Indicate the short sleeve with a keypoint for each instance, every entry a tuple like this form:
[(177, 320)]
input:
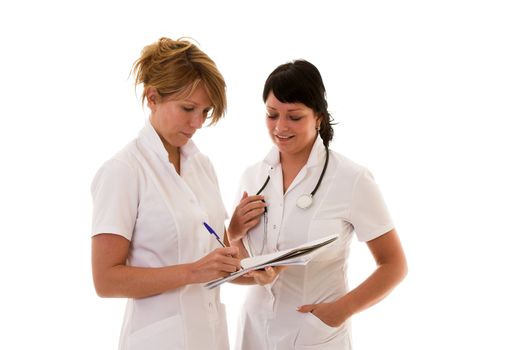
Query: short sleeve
[(368, 212), (115, 199)]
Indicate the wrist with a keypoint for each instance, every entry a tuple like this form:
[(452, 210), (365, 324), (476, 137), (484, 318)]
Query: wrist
[(233, 235), (344, 305), (189, 273)]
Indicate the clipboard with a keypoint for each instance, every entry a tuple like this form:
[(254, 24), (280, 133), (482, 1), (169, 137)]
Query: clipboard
[(299, 255)]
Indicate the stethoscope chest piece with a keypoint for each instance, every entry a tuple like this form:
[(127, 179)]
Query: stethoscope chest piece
[(305, 201)]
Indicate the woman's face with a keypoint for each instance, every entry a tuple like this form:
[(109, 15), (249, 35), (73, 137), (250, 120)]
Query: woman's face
[(292, 126), (176, 120)]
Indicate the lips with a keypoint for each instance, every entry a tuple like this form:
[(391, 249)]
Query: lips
[(284, 137)]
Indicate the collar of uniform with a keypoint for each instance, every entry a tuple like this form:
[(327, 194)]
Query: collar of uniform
[(150, 136), (189, 149), (316, 155)]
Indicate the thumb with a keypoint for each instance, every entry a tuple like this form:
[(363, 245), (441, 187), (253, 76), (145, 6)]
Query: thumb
[(231, 250), (306, 308), (244, 195)]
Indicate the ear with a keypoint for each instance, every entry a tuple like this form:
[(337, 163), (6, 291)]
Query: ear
[(318, 120), (152, 96)]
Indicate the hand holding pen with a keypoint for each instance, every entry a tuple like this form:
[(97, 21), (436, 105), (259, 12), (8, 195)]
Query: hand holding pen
[(218, 263)]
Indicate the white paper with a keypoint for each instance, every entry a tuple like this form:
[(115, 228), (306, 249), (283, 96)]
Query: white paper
[(299, 255)]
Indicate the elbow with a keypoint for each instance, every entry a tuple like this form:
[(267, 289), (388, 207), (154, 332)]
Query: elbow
[(101, 291), (103, 288), (403, 270)]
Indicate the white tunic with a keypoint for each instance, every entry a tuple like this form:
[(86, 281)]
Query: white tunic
[(347, 201), (139, 195)]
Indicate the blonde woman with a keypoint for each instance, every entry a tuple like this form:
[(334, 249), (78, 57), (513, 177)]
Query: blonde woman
[(150, 203)]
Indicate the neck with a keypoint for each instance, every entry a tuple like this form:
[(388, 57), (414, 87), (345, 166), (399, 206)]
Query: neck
[(291, 164), (293, 160), (298, 159), (173, 154)]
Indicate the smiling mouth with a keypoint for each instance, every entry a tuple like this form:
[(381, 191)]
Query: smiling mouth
[(284, 138)]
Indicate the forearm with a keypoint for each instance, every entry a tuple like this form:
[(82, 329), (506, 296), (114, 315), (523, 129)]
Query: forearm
[(376, 287), (139, 282), (243, 253), (243, 280)]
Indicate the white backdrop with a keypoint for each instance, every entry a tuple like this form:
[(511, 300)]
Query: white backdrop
[(428, 95)]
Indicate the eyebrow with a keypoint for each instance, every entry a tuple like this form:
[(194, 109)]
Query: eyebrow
[(288, 110), (195, 103)]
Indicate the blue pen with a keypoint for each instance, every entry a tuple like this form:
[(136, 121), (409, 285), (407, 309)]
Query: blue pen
[(212, 232)]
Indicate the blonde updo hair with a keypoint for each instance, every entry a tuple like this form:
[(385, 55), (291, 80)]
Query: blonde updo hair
[(177, 67)]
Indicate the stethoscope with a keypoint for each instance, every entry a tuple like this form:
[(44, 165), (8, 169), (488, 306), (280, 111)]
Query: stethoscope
[(304, 201)]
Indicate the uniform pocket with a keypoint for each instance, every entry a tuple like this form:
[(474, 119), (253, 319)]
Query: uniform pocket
[(314, 332), (166, 334), (316, 322)]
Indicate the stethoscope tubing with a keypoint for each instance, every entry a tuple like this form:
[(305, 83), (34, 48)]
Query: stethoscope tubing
[(318, 181)]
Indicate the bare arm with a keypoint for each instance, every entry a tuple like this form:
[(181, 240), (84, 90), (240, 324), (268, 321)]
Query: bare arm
[(391, 269), (113, 278)]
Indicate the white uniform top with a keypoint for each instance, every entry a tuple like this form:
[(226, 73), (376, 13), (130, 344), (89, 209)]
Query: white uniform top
[(138, 194), (347, 201)]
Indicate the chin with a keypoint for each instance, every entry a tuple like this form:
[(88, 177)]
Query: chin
[(179, 142)]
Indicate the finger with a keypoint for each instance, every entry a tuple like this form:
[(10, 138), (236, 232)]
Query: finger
[(270, 273), (228, 251), (306, 308), (229, 268), (252, 215), (225, 264), (246, 205), (251, 224), (233, 261), (258, 274), (255, 205), (267, 274), (256, 198), (278, 269)]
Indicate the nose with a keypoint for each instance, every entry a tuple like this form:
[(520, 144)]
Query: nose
[(281, 124), (196, 120)]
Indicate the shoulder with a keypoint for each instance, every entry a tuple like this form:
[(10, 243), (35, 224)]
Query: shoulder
[(346, 167), (122, 164)]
